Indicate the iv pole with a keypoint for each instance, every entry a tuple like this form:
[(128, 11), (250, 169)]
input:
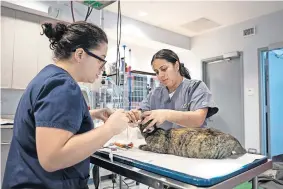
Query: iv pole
[(96, 170), (104, 100)]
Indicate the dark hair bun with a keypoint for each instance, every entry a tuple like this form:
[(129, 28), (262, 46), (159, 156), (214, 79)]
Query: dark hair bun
[(65, 38), (54, 33)]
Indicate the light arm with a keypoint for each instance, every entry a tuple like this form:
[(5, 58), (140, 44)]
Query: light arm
[(187, 119)]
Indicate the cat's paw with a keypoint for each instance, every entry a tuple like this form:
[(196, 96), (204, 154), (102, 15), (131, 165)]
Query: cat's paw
[(144, 147)]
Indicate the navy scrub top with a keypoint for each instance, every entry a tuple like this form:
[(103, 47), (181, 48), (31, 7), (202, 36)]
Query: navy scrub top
[(52, 99), (190, 95)]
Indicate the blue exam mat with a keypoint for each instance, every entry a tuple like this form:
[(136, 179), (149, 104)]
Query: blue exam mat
[(189, 179)]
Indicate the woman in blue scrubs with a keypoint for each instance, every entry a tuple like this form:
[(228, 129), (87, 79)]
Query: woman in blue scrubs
[(179, 101), (54, 134)]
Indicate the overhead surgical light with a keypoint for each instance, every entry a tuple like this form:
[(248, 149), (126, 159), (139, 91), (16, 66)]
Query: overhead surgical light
[(98, 5)]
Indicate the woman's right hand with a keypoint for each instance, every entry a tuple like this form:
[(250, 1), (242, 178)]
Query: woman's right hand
[(118, 121)]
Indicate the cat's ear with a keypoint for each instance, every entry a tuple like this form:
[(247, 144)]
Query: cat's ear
[(141, 128)]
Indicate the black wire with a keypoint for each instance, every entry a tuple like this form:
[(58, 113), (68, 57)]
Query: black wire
[(86, 16), (126, 184), (72, 11), (132, 182), (89, 11)]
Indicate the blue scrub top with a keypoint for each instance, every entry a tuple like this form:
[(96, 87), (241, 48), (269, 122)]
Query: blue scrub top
[(52, 99), (190, 95)]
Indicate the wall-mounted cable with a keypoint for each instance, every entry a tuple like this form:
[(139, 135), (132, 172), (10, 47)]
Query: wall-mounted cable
[(72, 11), (118, 60), (89, 11)]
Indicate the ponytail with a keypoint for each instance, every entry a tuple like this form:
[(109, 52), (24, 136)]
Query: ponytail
[(184, 71)]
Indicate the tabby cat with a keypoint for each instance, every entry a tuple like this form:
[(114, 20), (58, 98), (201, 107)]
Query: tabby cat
[(202, 143)]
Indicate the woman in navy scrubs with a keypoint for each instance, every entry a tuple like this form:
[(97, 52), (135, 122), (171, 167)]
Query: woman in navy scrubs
[(179, 101), (53, 129)]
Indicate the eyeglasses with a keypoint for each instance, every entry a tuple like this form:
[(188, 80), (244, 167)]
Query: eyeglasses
[(94, 56)]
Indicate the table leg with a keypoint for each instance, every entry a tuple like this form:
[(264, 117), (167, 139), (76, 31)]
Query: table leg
[(96, 176), (255, 183), (120, 181)]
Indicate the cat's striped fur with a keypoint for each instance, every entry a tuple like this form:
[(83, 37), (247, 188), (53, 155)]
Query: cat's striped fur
[(203, 143)]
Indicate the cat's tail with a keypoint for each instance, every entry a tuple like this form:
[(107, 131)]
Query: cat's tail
[(238, 150)]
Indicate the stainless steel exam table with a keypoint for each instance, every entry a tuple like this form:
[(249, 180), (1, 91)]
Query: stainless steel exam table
[(160, 181)]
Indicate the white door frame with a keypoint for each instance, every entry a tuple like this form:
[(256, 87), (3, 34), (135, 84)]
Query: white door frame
[(264, 97)]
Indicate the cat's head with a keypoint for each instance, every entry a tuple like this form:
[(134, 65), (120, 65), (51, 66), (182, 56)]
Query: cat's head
[(149, 132)]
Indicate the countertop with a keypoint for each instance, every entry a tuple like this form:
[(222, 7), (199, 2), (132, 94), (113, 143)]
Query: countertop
[(7, 126), (7, 121)]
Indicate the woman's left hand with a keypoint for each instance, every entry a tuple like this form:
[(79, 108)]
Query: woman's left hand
[(102, 114), (157, 116)]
